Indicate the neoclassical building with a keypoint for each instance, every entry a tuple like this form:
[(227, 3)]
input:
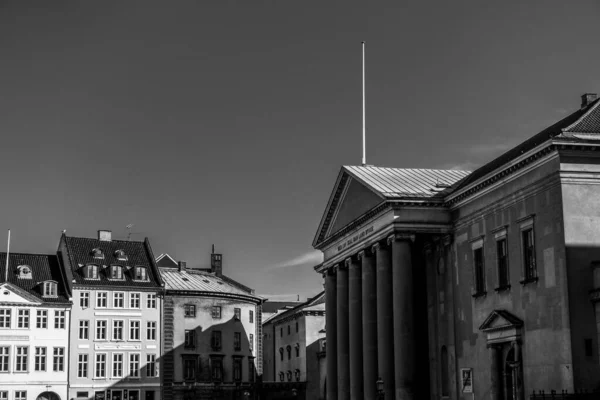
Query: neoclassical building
[(460, 285)]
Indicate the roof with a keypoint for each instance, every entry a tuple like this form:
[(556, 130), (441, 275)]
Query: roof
[(316, 303), (44, 267), (399, 183), (272, 306), (79, 253), (165, 260)]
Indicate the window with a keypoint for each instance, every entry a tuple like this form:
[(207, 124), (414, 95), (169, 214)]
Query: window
[(296, 326), (237, 341), (216, 340), (528, 246), (236, 313), (502, 259), (289, 376), (251, 342), (120, 255), (82, 366), (216, 369), (117, 365), (134, 365), (100, 329), (5, 318), (24, 272), (23, 318), (189, 369), (58, 362), (118, 326), (97, 253), (101, 299), (297, 375), (478, 268), (40, 359), (251, 370), (151, 330), (151, 365), (281, 376), (41, 319), (119, 300), (50, 289), (4, 358), (289, 329), (445, 375), (189, 341), (151, 300), (134, 330), (189, 310), (3, 394), (289, 352), (21, 357), (84, 329), (237, 369), (141, 274), (134, 300), (297, 347), (59, 319), (116, 272), (83, 394), (216, 312), (281, 353), (84, 299), (251, 317), (100, 368), (281, 331), (21, 395), (90, 272)]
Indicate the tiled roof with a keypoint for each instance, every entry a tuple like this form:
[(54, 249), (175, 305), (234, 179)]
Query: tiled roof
[(316, 303), (44, 267), (138, 254), (589, 122), (401, 183)]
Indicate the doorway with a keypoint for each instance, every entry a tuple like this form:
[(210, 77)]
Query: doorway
[(512, 372)]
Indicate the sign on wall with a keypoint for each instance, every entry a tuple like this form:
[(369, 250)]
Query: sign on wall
[(466, 378)]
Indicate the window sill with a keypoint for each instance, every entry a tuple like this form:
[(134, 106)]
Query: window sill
[(479, 294), (529, 280), (502, 288)]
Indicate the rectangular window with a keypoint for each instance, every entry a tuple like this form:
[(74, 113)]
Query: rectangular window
[(251, 342), (4, 358), (117, 365), (84, 299), (82, 366), (151, 365), (119, 300), (83, 394), (189, 310), (151, 330), (237, 341), (134, 300), (41, 319), (189, 339), (151, 300), (84, 330), (237, 369), (216, 312), (101, 299), (289, 329), (528, 245), (189, 369), (21, 395), (21, 358), (216, 369), (134, 365), (141, 274), (58, 362), (118, 329), (40, 359), (3, 394), (251, 317), (59, 319), (251, 370), (502, 258), (23, 318), (134, 330), (479, 271), (236, 313), (100, 329), (216, 340), (100, 367), (296, 326), (5, 317)]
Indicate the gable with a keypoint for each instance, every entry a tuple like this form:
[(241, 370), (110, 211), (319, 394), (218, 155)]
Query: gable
[(356, 200), (166, 261), (500, 319), (10, 293)]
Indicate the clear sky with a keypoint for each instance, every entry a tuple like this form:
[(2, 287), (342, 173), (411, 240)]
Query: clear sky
[(226, 122)]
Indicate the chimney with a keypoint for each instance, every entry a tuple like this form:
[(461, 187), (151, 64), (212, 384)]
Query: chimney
[(216, 262), (105, 236), (182, 265), (588, 98)]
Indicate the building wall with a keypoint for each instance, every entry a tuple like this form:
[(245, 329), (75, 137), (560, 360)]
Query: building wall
[(269, 353), (294, 338), (314, 326)]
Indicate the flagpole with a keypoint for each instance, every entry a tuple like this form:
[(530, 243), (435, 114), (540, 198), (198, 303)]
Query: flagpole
[(364, 144), (7, 255)]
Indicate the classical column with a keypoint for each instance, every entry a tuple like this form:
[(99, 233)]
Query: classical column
[(495, 378), (343, 344), (331, 333), (355, 325), (385, 319), (369, 323), (404, 328)]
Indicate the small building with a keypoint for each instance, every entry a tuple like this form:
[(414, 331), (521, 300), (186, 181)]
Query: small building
[(34, 319), (293, 341), (212, 326)]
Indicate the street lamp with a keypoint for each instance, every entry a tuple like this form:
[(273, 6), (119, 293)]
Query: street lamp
[(380, 393)]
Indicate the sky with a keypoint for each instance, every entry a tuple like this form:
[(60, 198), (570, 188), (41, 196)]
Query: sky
[(227, 122)]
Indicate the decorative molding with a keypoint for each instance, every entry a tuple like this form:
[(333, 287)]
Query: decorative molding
[(400, 236)]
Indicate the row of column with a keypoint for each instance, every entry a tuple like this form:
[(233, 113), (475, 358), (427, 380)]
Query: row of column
[(370, 323)]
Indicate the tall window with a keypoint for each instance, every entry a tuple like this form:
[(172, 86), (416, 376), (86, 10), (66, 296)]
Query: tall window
[(478, 270), (151, 300), (91, 272), (59, 319), (40, 359), (281, 353), (5, 317), (216, 364), (216, 340), (134, 365), (189, 369), (117, 365), (41, 320), (100, 367), (289, 330), (281, 376), (237, 369), (101, 299), (289, 352), (84, 299), (116, 272), (251, 370), (23, 318), (251, 317), (189, 339), (189, 310), (82, 366), (151, 365), (296, 326), (151, 330), (100, 329), (119, 300), (4, 358), (281, 332), (134, 300), (297, 347), (134, 330), (251, 342), (58, 362), (445, 374), (118, 329), (236, 313), (50, 289), (216, 312), (528, 244), (84, 329), (21, 359), (237, 341), (502, 258)]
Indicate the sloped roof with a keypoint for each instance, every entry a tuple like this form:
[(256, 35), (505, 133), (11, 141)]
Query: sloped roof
[(316, 303), (44, 267), (274, 306)]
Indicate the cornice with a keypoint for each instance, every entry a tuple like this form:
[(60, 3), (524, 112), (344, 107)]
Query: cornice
[(195, 293)]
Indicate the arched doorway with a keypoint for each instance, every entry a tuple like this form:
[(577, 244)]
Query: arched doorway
[(48, 396), (513, 380)]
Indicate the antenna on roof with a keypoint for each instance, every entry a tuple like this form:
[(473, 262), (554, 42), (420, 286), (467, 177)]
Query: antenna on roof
[(364, 144), (128, 227), (7, 255)]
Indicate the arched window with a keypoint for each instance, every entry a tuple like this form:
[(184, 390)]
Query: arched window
[(289, 351), (289, 376), (297, 347), (50, 289), (444, 373), (281, 376), (297, 374), (281, 353)]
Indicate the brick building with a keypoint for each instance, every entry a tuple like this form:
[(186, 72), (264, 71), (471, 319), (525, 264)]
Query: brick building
[(460, 285)]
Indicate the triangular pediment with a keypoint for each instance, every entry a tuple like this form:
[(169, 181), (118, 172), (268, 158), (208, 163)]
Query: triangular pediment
[(13, 294), (500, 319)]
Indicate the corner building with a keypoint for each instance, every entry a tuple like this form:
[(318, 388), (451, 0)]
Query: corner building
[(461, 285), (116, 324)]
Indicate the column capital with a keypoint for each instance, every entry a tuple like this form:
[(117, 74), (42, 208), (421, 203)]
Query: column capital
[(368, 252), (375, 247), (343, 265), (400, 236)]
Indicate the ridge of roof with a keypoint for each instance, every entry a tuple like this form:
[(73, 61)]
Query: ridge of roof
[(589, 122), (308, 303)]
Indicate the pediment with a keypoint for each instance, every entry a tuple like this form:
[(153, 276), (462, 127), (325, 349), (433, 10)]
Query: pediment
[(13, 294), (500, 320)]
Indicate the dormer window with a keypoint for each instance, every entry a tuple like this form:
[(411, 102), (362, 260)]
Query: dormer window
[(97, 253), (116, 272), (90, 271), (141, 274), (24, 271), (50, 289), (120, 255)]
